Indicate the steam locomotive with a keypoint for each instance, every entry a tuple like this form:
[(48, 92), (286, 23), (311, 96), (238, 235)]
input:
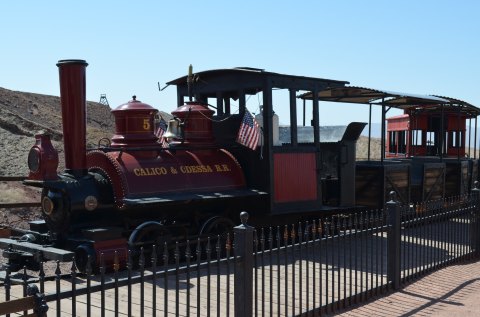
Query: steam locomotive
[(133, 191), (138, 189)]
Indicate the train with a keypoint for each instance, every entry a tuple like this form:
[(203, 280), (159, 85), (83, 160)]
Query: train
[(142, 188)]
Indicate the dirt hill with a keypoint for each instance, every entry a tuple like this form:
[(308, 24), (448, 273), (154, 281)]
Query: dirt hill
[(22, 115), (362, 148)]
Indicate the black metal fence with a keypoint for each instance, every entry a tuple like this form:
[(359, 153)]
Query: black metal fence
[(310, 268)]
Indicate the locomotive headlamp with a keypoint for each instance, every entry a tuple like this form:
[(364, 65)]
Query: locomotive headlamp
[(34, 160), (47, 205), (42, 159)]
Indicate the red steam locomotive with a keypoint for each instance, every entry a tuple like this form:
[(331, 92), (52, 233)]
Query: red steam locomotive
[(133, 191)]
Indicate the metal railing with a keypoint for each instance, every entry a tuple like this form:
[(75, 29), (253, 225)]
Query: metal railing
[(310, 268)]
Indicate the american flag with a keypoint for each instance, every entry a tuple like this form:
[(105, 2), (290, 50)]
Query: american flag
[(249, 133), (160, 130)]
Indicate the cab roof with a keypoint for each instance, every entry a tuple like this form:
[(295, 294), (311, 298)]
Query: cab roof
[(251, 81)]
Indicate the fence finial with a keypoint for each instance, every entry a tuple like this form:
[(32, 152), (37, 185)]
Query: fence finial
[(393, 195), (32, 289), (244, 217)]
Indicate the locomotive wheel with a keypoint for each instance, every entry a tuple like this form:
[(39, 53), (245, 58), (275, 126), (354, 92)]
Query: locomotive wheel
[(216, 228), (217, 225), (147, 234)]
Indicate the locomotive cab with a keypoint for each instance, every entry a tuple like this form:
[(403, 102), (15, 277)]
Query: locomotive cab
[(290, 168)]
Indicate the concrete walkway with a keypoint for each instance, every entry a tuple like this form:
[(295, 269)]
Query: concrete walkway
[(452, 291)]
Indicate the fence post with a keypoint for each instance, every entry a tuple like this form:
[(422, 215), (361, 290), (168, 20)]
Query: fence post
[(475, 226), (393, 241), (243, 268)]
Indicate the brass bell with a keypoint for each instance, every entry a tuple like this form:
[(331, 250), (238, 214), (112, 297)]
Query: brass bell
[(174, 130)]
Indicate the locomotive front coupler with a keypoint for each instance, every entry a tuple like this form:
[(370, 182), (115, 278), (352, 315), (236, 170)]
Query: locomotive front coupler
[(44, 237), (23, 253)]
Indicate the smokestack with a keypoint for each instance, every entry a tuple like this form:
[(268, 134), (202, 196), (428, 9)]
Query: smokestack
[(73, 100)]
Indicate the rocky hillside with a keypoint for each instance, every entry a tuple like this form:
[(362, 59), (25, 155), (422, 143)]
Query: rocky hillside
[(22, 115), (362, 148)]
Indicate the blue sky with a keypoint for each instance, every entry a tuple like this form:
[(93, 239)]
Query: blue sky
[(424, 47)]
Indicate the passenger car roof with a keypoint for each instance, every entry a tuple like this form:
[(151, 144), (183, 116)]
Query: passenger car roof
[(405, 101)]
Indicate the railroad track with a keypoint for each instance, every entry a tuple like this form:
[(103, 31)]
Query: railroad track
[(12, 178), (19, 205)]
